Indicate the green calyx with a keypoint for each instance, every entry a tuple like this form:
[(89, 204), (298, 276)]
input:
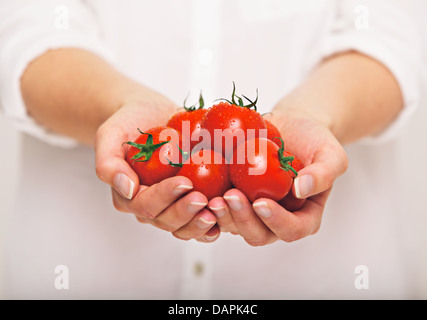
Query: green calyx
[(239, 102), (147, 149), (286, 162), (196, 106)]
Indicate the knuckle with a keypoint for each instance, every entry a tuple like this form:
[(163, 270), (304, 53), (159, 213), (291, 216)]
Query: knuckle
[(316, 229), (297, 235), (257, 242), (145, 214), (297, 232), (181, 237), (163, 226), (103, 169), (243, 222), (229, 229), (141, 220)]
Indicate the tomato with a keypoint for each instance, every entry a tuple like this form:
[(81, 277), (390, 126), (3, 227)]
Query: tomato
[(149, 156), (290, 202), (272, 132), (260, 170), (194, 117), (233, 122), (208, 172)]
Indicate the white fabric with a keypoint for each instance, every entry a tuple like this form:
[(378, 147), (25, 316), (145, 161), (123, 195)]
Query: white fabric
[(64, 214), (27, 30)]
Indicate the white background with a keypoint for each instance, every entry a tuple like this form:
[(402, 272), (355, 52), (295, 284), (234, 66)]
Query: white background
[(413, 149), (9, 140)]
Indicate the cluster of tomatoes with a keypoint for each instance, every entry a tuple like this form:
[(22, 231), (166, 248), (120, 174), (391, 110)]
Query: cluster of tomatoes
[(202, 144)]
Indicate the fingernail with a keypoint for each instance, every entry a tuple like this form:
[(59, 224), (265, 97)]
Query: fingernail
[(204, 224), (219, 212), (211, 238), (181, 189), (234, 202), (303, 186), (262, 209), (195, 207), (124, 185)]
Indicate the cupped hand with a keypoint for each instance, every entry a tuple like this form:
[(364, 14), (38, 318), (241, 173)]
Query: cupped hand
[(265, 221), (169, 205)]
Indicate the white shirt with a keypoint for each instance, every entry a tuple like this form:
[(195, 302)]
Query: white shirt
[(64, 215)]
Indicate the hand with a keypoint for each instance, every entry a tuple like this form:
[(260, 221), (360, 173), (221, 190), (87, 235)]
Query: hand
[(265, 221), (168, 205)]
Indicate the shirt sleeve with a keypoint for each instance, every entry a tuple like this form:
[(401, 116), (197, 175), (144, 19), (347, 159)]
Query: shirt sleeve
[(385, 31), (27, 30)]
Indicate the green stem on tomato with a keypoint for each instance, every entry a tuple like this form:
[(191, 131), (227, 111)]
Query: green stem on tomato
[(147, 149), (240, 102), (286, 162), (193, 107)]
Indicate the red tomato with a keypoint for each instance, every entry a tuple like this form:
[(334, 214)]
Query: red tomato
[(260, 170), (272, 132), (208, 172), (194, 117), (290, 202), (233, 122), (148, 155)]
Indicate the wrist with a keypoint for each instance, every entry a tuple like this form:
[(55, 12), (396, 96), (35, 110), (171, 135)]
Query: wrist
[(155, 108), (297, 107)]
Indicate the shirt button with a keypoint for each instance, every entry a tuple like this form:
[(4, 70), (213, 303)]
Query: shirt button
[(198, 269), (205, 56)]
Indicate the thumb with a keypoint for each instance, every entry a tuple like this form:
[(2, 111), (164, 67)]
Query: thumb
[(111, 166), (320, 175)]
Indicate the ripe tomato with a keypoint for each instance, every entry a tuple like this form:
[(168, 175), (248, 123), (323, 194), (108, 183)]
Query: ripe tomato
[(208, 172), (260, 170), (232, 121), (272, 132), (148, 155), (290, 202), (194, 117)]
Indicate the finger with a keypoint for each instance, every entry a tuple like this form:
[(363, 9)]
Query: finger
[(249, 226), (290, 226), (320, 175), (212, 235), (197, 227), (149, 202), (110, 164), (223, 215), (180, 212)]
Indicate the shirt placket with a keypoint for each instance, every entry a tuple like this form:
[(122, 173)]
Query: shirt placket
[(197, 257)]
